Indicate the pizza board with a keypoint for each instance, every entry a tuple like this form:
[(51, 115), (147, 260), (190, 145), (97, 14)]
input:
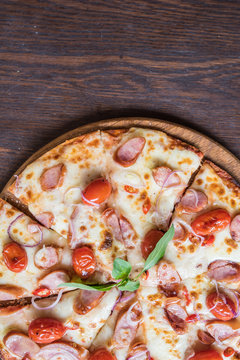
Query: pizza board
[(210, 148)]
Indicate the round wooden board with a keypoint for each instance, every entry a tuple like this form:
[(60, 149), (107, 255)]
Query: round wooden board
[(210, 148)]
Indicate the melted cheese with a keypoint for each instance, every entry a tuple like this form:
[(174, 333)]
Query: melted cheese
[(28, 278), (190, 259), (88, 324)]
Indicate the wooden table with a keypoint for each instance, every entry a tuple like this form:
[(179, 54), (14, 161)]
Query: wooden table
[(66, 63)]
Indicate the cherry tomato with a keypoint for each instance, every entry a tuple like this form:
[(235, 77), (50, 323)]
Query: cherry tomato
[(207, 355), (84, 262), (97, 192), (229, 351), (146, 206), (211, 222), (15, 257), (46, 330), (193, 318), (42, 292), (130, 189), (150, 241), (208, 240), (101, 354), (220, 307)]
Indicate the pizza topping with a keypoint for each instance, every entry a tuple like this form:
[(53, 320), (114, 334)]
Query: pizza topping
[(126, 326), (128, 232), (15, 257), (86, 301), (62, 351), (205, 337), (146, 206), (48, 306), (46, 257), (211, 222), (101, 354), (229, 351), (130, 189), (11, 292), (221, 306), (176, 315), (165, 177), (138, 351), (45, 218), (127, 178), (42, 292), (25, 233), (54, 279), (111, 220), (52, 177), (235, 228), (45, 330), (207, 355), (20, 344), (180, 232), (127, 154), (168, 278), (208, 240), (84, 262), (149, 242), (219, 330), (224, 270), (194, 201), (97, 192)]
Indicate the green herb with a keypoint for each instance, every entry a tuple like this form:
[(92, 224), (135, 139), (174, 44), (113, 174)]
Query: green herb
[(97, 287), (131, 285), (159, 250), (122, 269)]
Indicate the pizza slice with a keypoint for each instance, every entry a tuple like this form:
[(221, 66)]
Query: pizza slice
[(66, 189), (33, 259), (207, 227), (148, 171), (61, 328), (122, 335), (168, 333)]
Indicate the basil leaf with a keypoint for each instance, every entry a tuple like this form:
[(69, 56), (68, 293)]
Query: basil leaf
[(131, 285), (121, 269), (100, 287), (159, 250)]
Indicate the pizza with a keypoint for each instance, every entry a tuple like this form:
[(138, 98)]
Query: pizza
[(115, 195)]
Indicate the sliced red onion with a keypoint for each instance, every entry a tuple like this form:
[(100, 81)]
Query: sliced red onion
[(189, 228), (127, 297), (232, 295), (13, 238), (49, 306), (60, 351), (164, 185), (195, 196), (117, 301), (66, 192), (131, 323), (89, 201)]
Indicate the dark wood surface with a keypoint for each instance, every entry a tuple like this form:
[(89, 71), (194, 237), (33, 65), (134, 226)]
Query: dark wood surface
[(68, 63)]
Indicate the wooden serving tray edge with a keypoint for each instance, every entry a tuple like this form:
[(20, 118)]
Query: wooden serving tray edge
[(210, 148)]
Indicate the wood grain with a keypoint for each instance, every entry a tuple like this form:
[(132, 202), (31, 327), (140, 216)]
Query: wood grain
[(68, 63)]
